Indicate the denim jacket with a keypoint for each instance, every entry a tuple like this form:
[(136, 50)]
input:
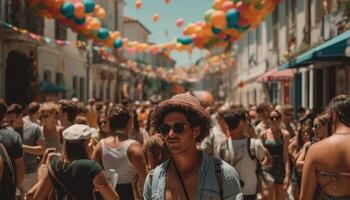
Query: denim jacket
[(207, 186)]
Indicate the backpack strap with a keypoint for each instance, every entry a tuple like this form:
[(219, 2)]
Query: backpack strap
[(251, 148), (6, 158), (218, 174), (57, 180)]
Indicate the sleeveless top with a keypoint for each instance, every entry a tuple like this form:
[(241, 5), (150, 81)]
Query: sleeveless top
[(52, 141), (117, 159), (321, 194)]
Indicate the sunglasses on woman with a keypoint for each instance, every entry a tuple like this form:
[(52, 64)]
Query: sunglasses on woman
[(177, 127)]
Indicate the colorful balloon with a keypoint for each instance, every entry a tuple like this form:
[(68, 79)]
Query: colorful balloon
[(79, 10), (232, 18), (218, 19), (184, 40), (103, 33), (179, 22), (138, 4), (80, 21), (155, 17), (89, 6), (227, 5), (207, 15), (118, 43), (67, 10)]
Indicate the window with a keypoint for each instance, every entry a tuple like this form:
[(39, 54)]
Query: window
[(47, 76), (60, 32), (59, 79)]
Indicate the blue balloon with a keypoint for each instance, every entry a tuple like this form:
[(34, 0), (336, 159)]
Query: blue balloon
[(80, 21), (89, 6), (232, 17), (103, 33), (185, 40), (67, 9), (216, 30), (118, 43)]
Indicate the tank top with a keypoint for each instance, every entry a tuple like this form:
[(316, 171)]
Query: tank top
[(117, 159)]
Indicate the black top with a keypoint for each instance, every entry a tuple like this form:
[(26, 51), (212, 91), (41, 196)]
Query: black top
[(12, 142), (77, 177)]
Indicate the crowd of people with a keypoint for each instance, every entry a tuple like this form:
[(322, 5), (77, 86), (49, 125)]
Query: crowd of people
[(180, 148)]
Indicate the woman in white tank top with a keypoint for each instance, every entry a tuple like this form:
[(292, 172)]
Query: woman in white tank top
[(121, 154)]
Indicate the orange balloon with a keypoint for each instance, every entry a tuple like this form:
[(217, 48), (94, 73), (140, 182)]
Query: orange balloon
[(155, 17), (95, 24), (138, 4), (218, 19), (101, 14), (218, 4), (79, 10), (58, 3), (167, 1)]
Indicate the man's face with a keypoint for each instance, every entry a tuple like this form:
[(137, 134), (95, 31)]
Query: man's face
[(14, 120), (178, 134)]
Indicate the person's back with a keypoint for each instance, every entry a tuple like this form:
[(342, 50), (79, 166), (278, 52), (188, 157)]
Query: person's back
[(77, 176), (326, 170), (332, 163), (115, 156)]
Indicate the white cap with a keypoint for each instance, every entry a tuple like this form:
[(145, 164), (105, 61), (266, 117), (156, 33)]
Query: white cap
[(77, 132)]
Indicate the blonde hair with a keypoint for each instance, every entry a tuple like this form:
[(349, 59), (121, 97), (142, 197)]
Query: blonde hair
[(49, 107)]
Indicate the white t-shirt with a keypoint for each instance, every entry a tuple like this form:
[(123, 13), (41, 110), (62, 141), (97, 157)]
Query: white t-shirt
[(245, 166)]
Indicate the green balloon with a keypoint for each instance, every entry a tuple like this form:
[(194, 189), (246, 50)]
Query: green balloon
[(207, 16)]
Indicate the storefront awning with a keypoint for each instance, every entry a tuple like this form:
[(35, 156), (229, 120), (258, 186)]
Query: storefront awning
[(327, 51), (47, 87), (275, 75)]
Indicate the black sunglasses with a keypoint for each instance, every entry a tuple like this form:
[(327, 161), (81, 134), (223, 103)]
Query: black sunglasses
[(177, 127)]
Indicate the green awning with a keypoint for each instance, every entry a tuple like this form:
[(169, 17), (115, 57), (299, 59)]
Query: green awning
[(47, 87), (330, 50)]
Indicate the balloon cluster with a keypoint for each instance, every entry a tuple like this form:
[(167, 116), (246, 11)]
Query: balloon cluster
[(226, 21), (85, 16)]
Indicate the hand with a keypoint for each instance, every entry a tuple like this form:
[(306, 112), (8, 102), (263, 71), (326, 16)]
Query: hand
[(157, 138), (286, 183)]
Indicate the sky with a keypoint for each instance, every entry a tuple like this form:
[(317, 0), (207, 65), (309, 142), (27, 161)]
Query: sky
[(189, 10)]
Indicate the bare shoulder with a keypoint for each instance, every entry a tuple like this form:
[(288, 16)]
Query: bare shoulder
[(135, 147)]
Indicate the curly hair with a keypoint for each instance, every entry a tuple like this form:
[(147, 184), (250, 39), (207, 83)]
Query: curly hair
[(194, 117), (69, 107), (119, 117)]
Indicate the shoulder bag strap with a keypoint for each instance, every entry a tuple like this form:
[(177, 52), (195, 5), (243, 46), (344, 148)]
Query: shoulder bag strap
[(7, 159), (218, 174), (53, 175)]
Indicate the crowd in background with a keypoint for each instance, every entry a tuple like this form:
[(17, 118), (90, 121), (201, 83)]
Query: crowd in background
[(279, 152)]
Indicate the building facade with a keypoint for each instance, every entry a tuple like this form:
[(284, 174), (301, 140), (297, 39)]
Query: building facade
[(38, 69), (287, 59)]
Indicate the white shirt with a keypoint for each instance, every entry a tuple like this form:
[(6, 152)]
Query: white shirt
[(245, 166)]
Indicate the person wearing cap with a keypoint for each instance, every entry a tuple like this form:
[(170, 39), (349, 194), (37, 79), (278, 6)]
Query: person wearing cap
[(73, 174), (190, 174)]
